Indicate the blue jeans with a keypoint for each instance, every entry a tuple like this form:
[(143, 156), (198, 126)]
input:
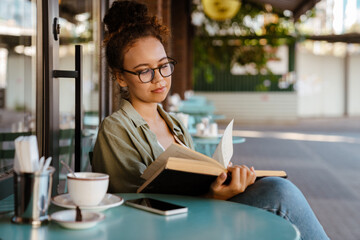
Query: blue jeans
[(283, 198)]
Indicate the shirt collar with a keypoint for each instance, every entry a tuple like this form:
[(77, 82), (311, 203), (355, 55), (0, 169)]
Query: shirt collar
[(136, 118), (175, 129)]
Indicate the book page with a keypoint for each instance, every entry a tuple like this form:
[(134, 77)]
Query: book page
[(178, 151), (224, 150), (193, 166)]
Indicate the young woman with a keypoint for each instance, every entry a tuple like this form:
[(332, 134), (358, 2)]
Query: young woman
[(133, 137)]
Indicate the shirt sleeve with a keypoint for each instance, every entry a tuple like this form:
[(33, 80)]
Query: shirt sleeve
[(115, 154)]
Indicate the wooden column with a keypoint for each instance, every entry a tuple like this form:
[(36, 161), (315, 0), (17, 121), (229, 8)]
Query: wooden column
[(176, 15), (181, 46), (162, 9)]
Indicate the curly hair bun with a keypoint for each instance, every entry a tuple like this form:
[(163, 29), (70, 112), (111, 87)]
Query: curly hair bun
[(127, 22), (125, 13)]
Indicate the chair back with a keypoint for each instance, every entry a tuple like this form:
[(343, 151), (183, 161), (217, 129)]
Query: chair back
[(66, 143)]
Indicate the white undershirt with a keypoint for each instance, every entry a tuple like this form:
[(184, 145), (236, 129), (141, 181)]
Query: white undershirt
[(176, 139), (161, 146)]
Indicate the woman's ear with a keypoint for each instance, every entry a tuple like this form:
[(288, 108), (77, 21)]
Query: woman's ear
[(120, 80)]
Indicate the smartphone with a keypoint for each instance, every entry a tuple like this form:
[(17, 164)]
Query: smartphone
[(156, 206)]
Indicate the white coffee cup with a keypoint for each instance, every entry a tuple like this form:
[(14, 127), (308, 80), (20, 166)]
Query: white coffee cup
[(200, 127), (213, 129), (87, 188)]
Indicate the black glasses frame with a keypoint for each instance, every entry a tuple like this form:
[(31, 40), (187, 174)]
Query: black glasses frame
[(173, 61)]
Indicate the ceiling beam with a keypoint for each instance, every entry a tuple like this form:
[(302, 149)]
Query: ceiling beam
[(297, 7), (346, 38), (303, 7)]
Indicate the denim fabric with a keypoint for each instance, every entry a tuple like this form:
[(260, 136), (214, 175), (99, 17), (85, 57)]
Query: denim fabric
[(283, 198)]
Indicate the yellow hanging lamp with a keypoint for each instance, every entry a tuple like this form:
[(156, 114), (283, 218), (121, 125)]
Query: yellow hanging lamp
[(221, 10)]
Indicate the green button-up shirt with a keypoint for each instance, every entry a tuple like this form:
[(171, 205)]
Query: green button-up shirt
[(125, 146)]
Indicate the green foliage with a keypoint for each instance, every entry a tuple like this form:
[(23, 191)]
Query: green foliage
[(240, 40), (207, 55), (252, 54)]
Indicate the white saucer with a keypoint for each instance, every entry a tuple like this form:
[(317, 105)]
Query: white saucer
[(109, 201), (67, 219)]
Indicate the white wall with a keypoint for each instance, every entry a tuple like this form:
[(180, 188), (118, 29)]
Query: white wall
[(20, 87), (320, 85), (254, 107), (354, 86)]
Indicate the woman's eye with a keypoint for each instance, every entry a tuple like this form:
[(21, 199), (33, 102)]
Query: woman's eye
[(166, 65), (145, 71)]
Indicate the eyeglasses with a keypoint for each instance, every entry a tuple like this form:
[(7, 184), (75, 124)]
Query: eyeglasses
[(147, 75)]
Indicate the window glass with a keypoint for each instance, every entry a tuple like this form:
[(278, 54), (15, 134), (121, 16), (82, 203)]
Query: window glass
[(78, 21), (17, 76)]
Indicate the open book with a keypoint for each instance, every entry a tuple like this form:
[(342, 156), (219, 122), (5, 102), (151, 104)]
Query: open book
[(181, 170)]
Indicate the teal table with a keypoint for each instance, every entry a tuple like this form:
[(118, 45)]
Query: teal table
[(206, 219), (207, 146)]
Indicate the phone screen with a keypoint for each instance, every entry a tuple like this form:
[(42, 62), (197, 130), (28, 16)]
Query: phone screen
[(157, 206)]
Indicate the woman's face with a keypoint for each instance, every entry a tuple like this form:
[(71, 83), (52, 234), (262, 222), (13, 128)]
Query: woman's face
[(143, 54)]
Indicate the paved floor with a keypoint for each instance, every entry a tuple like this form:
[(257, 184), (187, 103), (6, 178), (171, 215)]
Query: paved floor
[(322, 157)]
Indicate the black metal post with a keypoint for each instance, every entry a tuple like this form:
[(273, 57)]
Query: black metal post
[(78, 97), (78, 111)]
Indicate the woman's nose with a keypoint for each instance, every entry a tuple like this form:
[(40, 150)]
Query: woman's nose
[(157, 76)]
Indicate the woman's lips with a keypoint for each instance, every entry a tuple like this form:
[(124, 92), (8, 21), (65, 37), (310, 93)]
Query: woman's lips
[(159, 90)]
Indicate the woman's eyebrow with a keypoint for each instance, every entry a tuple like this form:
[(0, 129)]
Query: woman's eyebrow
[(163, 58), (146, 65), (140, 65)]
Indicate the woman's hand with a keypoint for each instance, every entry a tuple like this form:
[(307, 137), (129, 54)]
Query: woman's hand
[(241, 178)]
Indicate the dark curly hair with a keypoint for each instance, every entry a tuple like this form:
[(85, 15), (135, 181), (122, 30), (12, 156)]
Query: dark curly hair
[(126, 22)]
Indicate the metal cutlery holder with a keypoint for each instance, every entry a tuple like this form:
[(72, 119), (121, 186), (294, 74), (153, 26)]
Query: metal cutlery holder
[(32, 197)]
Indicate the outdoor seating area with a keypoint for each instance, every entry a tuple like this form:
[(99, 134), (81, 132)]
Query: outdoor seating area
[(199, 116), (197, 106), (193, 110), (201, 112)]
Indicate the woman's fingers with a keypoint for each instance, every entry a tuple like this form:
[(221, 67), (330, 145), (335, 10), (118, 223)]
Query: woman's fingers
[(238, 175), (252, 175), (219, 181), (241, 178), (235, 175)]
